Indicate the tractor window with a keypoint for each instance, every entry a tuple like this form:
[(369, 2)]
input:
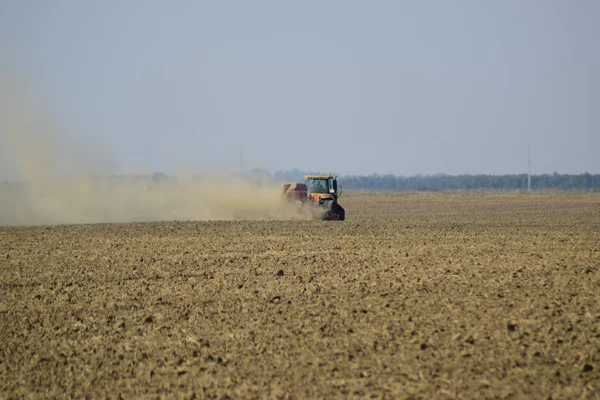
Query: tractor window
[(318, 186), (330, 186)]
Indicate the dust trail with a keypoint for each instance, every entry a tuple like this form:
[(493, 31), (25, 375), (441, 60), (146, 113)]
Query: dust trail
[(47, 178)]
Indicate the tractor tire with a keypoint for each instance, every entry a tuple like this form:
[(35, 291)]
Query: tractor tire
[(327, 205), (339, 210), (331, 208)]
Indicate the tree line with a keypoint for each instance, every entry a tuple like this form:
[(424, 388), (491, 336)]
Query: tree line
[(583, 181)]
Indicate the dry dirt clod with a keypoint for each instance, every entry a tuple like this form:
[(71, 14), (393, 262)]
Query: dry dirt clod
[(275, 300)]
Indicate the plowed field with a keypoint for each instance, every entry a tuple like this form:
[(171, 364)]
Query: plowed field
[(418, 295)]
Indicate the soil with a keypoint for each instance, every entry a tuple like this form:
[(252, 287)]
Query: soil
[(416, 295)]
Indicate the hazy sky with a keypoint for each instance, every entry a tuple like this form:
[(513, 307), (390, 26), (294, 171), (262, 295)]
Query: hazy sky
[(401, 87)]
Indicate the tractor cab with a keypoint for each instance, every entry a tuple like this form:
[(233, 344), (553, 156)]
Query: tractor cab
[(323, 186)]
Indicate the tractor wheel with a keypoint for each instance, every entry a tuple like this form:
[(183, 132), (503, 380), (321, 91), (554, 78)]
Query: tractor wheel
[(327, 205), (339, 210)]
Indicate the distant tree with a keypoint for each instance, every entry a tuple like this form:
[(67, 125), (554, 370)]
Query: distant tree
[(441, 181)]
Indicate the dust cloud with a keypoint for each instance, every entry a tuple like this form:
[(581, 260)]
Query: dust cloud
[(48, 178)]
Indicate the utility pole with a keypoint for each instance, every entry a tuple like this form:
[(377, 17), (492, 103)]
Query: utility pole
[(529, 171), (242, 161)]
